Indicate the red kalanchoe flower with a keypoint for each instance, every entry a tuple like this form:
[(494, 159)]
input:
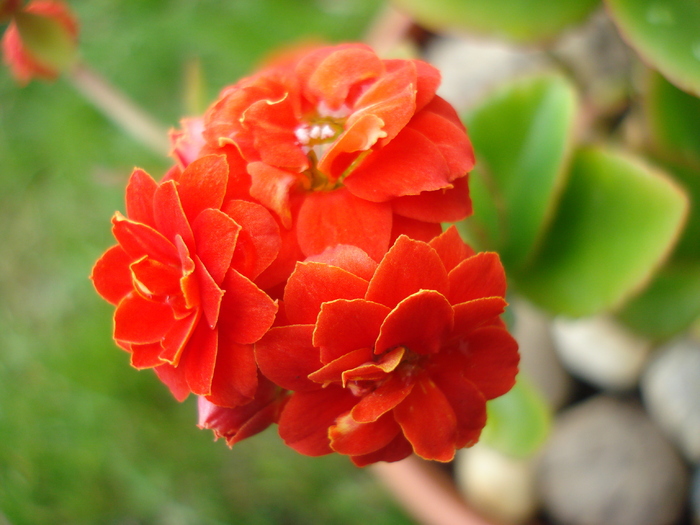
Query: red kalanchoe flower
[(181, 277), (346, 148), (391, 358), (41, 41)]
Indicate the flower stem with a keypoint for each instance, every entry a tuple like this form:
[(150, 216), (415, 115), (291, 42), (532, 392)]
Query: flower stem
[(119, 109)]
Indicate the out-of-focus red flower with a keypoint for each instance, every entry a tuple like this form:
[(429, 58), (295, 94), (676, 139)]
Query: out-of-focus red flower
[(238, 423), (391, 358), (41, 41), (181, 277), (8, 8), (345, 148)]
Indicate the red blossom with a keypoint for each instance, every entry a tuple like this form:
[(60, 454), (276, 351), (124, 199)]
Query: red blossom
[(54, 34), (344, 147), (393, 357), (181, 278)]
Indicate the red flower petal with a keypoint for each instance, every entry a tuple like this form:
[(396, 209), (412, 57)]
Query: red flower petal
[(139, 239), (345, 325), (349, 437), (327, 219), (209, 292), (427, 83), (451, 248), (246, 311), (259, 240), (169, 216), (215, 235), (199, 358), (481, 275), (446, 205), (311, 284), (235, 377), (139, 320), (428, 421), (175, 340), (333, 371), (468, 403), (280, 269), (111, 275), (139, 197), (473, 314), (347, 257), (408, 267), (286, 356), (418, 230), (270, 186), (307, 416), (203, 185), (374, 371), (174, 379), (154, 279), (384, 398), (408, 165), (145, 355), (397, 450), (419, 323)]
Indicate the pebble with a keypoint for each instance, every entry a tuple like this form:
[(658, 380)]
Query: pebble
[(538, 358), (671, 392), (606, 463), (499, 487), (601, 351)]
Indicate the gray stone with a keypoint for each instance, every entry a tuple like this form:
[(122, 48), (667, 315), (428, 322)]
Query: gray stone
[(601, 351), (606, 463), (671, 392)]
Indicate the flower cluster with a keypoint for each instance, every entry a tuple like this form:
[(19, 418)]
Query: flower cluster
[(291, 267)]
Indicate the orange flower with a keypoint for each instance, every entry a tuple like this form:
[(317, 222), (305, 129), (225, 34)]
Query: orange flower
[(181, 277), (41, 40), (345, 148), (391, 358)]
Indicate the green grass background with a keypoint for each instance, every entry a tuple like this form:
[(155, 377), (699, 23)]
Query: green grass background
[(83, 437)]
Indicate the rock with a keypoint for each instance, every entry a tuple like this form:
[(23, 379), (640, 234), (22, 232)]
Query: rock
[(671, 392), (606, 463), (538, 359), (499, 487), (600, 351)]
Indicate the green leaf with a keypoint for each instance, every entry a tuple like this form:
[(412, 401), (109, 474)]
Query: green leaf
[(519, 421), (673, 118), (688, 247), (669, 305), (47, 40), (521, 20), (666, 33), (522, 136), (617, 221)]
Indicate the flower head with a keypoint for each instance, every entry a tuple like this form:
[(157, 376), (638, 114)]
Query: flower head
[(344, 147), (41, 40), (391, 358), (181, 277)]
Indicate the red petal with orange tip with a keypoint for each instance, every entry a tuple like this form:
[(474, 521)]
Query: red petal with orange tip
[(286, 356), (383, 399), (332, 372), (139, 197), (146, 355), (246, 311), (199, 358), (451, 248), (202, 185), (215, 235), (446, 205), (139, 320), (418, 230), (270, 186), (209, 292), (409, 266), (428, 421), (398, 449), (175, 339), (111, 275), (311, 284), (153, 278), (307, 416), (169, 215), (349, 437), (327, 219), (235, 377), (420, 323), (138, 240), (345, 325), (377, 371), (347, 257), (481, 275), (473, 314), (408, 165)]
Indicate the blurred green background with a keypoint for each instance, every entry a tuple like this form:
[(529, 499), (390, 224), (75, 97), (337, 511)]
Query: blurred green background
[(83, 437)]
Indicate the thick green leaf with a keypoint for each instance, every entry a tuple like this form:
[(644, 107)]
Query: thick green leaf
[(522, 136), (666, 34), (519, 421), (673, 117), (616, 222), (688, 247), (522, 20), (669, 305)]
